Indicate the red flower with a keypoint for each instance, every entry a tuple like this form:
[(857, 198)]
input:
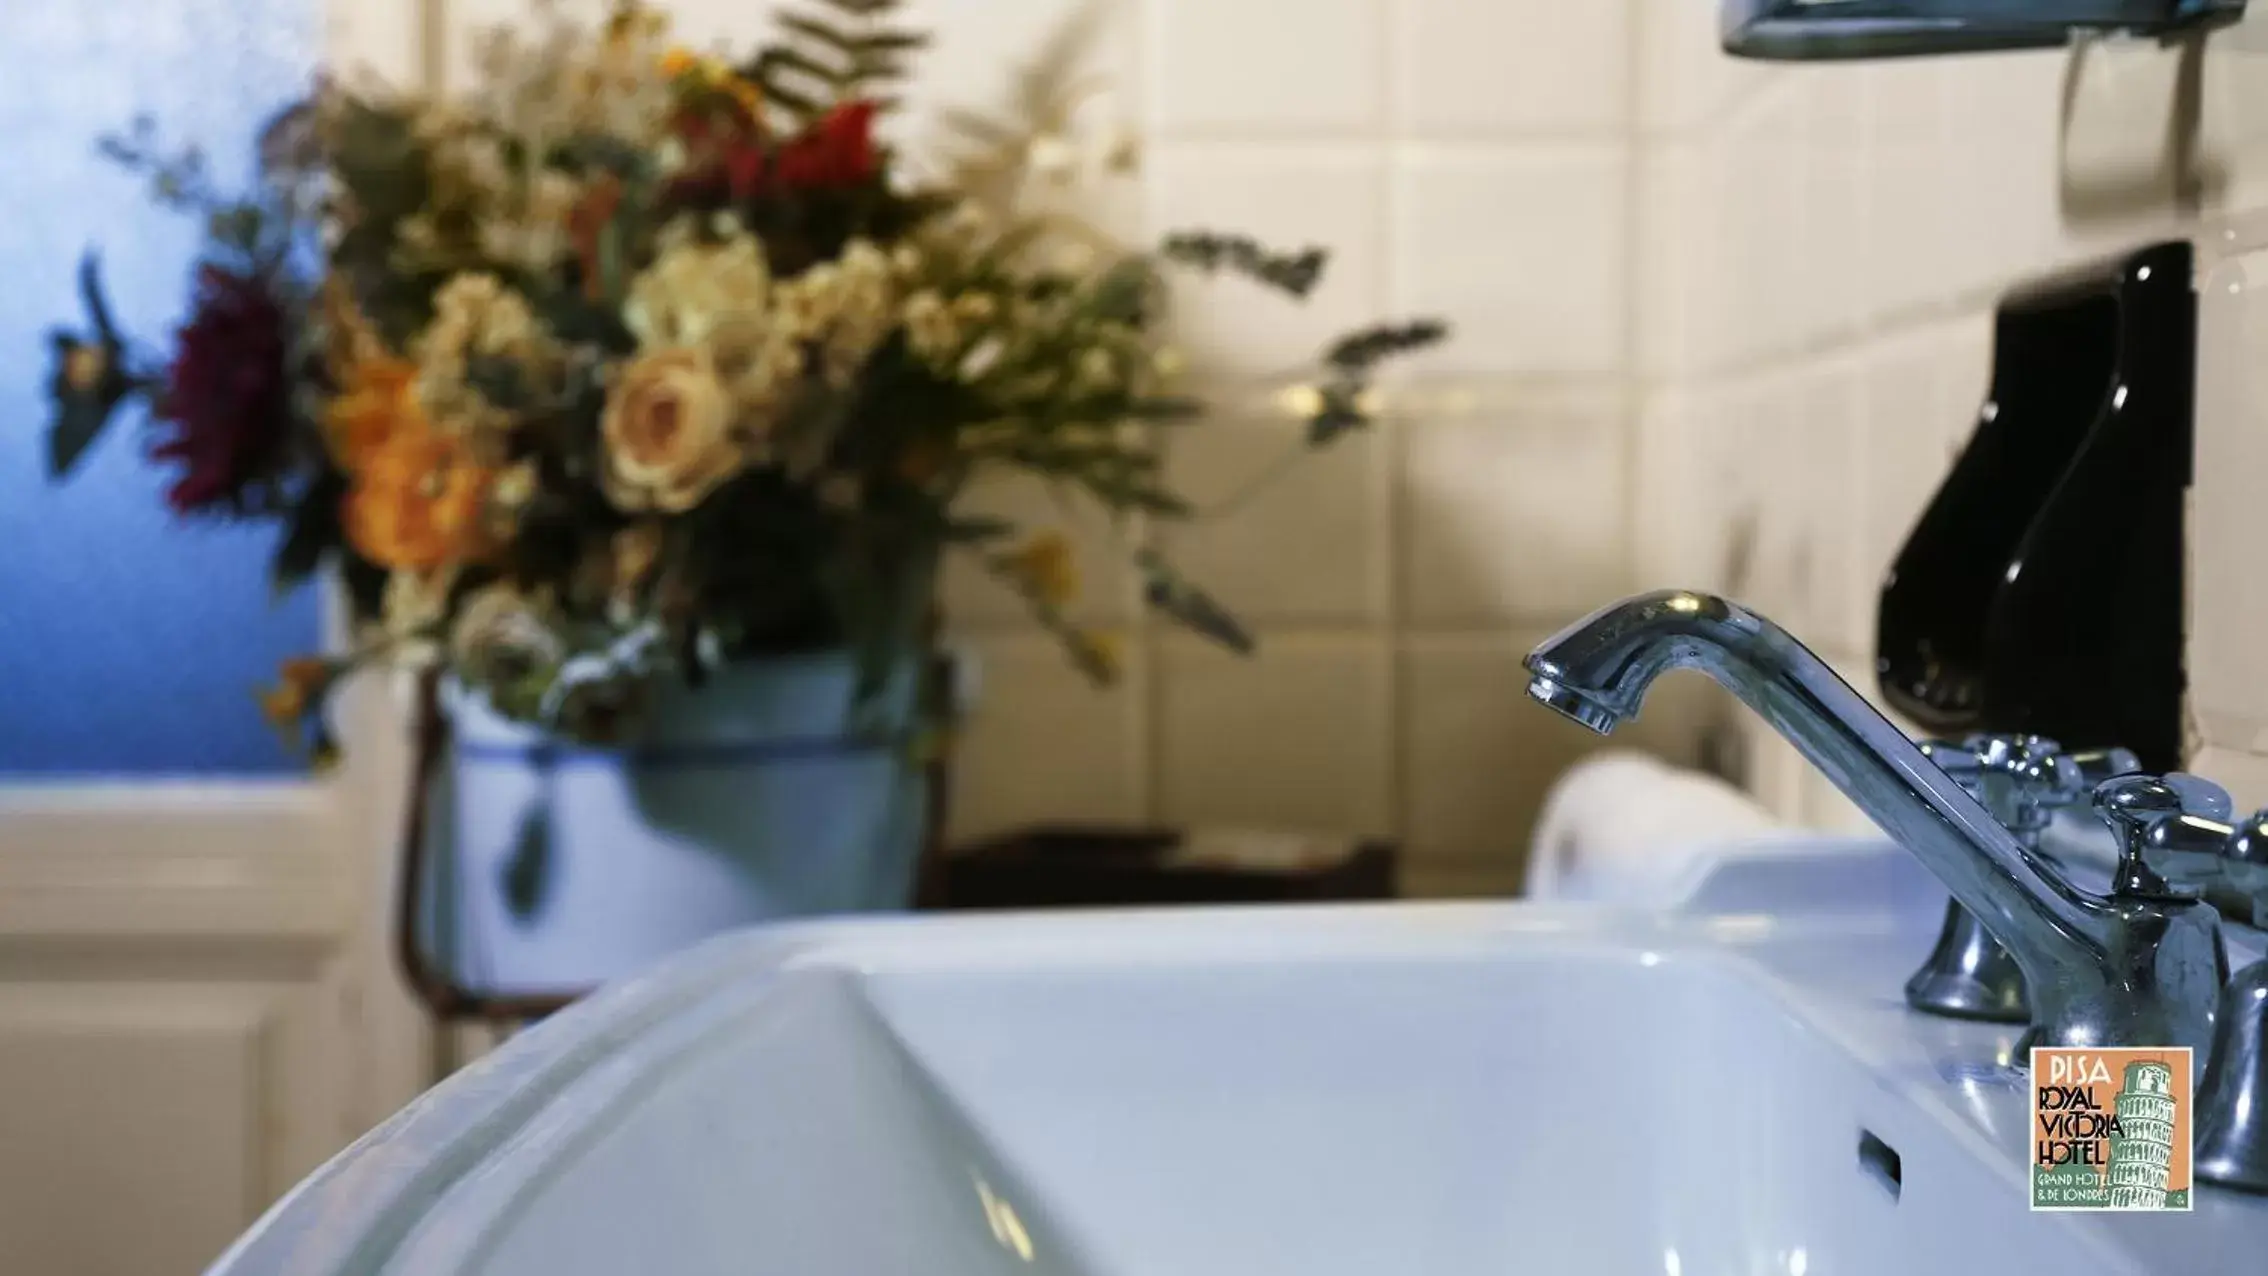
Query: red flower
[(744, 170), (837, 153), (226, 396)]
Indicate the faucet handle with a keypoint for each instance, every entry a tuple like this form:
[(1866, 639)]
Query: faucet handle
[(2022, 779), (2244, 863), (2168, 820), (2206, 851), (2201, 797)]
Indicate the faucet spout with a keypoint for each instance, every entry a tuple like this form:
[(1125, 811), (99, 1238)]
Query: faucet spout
[(2104, 971)]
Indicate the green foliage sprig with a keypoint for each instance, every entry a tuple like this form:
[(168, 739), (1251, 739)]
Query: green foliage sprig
[(1295, 273), (840, 51)]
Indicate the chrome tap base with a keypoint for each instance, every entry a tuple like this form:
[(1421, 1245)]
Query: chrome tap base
[(1969, 975), (2232, 1105)]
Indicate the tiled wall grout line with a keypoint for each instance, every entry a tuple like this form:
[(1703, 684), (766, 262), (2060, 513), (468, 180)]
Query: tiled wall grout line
[(1636, 226), (1146, 751), (1392, 457), (1898, 326)]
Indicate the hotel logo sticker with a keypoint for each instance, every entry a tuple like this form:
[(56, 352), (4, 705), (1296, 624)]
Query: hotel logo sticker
[(2110, 1129)]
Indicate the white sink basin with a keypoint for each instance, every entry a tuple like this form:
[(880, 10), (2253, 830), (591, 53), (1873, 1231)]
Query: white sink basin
[(1401, 1091)]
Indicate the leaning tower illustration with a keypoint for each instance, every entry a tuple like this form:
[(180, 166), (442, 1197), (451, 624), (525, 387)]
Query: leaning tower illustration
[(2142, 1151)]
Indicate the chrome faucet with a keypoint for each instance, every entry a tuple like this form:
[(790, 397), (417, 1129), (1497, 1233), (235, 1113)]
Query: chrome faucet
[(2142, 966)]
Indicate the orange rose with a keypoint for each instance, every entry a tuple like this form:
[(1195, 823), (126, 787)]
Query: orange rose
[(376, 404), (417, 501), (668, 433)]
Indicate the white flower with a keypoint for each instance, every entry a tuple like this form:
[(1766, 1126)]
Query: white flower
[(1075, 258), (515, 487), (552, 193), (982, 358), (501, 240), (417, 235), (678, 232), (761, 388), (808, 304), (931, 329), (696, 292), (975, 307), (1097, 369), (414, 603), (865, 264), (531, 233), (864, 312), (437, 121), (1053, 159), (552, 78), (475, 316), (867, 292), (479, 160), (968, 220)]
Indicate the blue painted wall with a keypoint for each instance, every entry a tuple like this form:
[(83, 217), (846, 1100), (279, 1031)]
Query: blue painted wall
[(129, 642)]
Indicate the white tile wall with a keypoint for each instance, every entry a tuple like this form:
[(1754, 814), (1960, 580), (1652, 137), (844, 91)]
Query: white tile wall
[(1526, 246), (1294, 194), (1831, 591), (2229, 594), (1477, 758), (1512, 521), (1333, 773), (1513, 67), (1305, 545), (1048, 744), (1273, 68)]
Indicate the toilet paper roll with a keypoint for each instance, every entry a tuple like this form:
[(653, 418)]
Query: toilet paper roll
[(1625, 827)]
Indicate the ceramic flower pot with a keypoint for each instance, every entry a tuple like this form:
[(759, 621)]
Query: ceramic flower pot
[(759, 797)]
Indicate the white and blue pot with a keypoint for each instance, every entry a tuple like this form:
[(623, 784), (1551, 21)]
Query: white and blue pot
[(553, 868)]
